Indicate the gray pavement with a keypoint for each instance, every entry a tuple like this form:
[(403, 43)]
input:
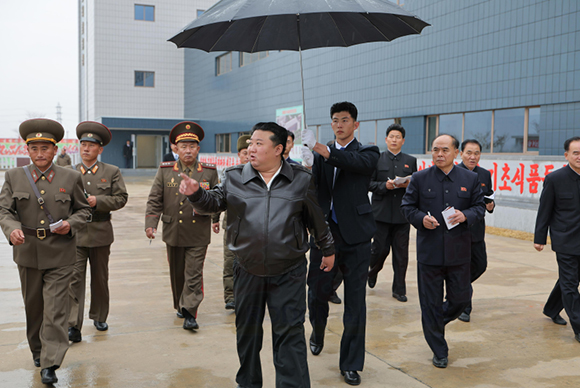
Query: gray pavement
[(508, 343)]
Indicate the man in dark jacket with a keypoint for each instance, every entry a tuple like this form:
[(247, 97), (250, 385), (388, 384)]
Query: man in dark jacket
[(443, 242), (342, 172), (392, 227), (470, 155), (559, 211), (270, 203)]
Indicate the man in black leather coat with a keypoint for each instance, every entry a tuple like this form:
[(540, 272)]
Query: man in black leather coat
[(270, 203)]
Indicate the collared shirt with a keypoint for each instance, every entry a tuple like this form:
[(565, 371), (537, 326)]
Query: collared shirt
[(45, 171), (394, 155), (268, 184)]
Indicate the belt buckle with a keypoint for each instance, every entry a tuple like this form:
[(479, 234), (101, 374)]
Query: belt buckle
[(43, 233), (90, 218)]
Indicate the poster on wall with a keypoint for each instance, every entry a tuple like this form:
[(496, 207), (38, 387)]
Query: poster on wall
[(293, 120)]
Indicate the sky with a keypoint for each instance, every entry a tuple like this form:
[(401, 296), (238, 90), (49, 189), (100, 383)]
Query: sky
[(38, 63)]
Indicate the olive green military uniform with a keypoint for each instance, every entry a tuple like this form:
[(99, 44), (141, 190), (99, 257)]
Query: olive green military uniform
[(186, 234), (45, 264), (105, 182)]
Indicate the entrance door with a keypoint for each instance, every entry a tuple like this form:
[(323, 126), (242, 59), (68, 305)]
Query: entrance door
[(149, 151)]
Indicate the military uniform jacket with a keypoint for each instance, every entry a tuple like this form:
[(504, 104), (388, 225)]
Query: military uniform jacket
[(559, 211), (387, 203), (105, 182), (432, 191), (181, 227), (62, 190), (63, 161), (478, 229)]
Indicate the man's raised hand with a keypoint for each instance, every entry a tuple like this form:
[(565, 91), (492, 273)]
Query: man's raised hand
[(188, 186)]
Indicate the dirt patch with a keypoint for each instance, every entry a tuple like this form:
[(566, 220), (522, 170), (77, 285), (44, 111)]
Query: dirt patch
[(526, 236)]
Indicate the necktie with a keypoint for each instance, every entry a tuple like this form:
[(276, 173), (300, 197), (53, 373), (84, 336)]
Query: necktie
[(332, 212)]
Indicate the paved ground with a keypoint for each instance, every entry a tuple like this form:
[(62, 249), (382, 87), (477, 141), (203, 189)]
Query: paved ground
[(509, 343)]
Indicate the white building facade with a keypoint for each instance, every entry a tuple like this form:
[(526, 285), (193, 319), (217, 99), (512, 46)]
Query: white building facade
[(127, 68)]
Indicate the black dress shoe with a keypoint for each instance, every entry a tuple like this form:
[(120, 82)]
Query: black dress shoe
[(351, 377), (558, 320), (74, 334), (400, 298), (314, 347), (37, 362), (231, 305), (335, 299), (440, 362), (179, 314), (101, 326), (464, 317), (372, 281), (190, 323), (48, 376)]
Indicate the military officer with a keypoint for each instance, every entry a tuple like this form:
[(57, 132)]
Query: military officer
[(186, 233), (42, 207), (228, 273), (106, 192)]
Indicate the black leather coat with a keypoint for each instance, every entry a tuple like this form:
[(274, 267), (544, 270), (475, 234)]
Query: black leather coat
[(266, 229)]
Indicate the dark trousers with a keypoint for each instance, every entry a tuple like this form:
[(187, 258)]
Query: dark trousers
[(478, 265), (397, 237), (285, 296), (566, 295), (353, 261), (99, 310), (435, 313)]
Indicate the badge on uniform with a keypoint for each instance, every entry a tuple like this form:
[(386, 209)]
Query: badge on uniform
[(406, 166), (62, 190), (204, 185), (483, 184), (172, 183), (463, 189), (103, 180)]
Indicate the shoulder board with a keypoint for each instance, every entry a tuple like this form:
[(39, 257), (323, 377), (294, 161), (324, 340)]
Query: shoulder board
[(167, 164), (208, 165)]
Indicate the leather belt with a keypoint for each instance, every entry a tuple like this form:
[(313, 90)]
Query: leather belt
[(40, 233), (99, 217)]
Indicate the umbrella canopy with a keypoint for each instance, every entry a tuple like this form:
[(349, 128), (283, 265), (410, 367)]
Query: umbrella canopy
[(262, 25)]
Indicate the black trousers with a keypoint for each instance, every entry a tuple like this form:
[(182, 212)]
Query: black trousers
[(565, 293), (435, 313), (397, 237), (285, 296), (478, 266), (353, 261)]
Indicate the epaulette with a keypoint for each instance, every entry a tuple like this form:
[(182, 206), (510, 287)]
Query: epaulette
[(167, 164), (208, 165)]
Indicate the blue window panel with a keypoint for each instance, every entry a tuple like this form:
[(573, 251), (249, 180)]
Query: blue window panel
[(149, 79), (139, 78), (149, 13), (139, 13)]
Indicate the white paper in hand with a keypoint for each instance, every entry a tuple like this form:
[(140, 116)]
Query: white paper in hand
[(56, 225), (450, 211), (401, 180)]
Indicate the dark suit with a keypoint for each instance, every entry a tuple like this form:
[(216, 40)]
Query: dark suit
[(392, 227), (478, 250), (169, 157), (559, 211), (443, 255), (352, 235)]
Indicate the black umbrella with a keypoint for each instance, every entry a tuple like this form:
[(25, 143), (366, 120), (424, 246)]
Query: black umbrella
[(262, 25)]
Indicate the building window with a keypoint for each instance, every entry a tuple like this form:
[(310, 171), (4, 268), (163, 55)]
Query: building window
[(145, 79), (223, 142), (247, 58), (224, 63), (145, 12), (478, 127), (367, 132), (200, 12), (512, 130)]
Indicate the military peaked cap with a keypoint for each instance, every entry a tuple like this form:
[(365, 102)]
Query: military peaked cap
[(186, 131), (95, 132), (47, 130), (243, 142)]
